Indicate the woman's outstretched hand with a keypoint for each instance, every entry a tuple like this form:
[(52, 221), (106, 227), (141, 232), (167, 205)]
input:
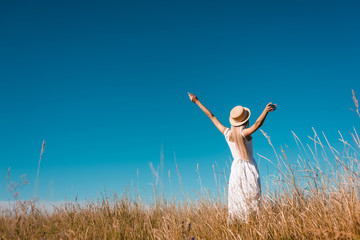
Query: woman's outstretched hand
[(193, 98), (270, 107)]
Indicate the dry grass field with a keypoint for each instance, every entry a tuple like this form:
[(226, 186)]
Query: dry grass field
[(318, 197)]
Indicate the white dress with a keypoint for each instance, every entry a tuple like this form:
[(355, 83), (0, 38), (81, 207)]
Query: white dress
[(244, 183)]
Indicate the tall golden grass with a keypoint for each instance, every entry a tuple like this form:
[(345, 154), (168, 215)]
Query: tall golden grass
[(316, 195)]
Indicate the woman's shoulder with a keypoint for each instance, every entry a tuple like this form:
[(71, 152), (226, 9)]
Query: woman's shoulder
[(247, 138), (226, 133)]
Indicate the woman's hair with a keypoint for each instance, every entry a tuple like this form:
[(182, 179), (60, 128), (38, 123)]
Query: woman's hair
[(237, 137)]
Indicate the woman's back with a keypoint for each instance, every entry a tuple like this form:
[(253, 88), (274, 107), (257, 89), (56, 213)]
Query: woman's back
[(234, 150)]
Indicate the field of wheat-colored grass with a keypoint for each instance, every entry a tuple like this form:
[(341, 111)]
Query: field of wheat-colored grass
[(317, 196)]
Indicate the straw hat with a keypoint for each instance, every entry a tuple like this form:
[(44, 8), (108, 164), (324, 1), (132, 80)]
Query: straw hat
[(239, 115)]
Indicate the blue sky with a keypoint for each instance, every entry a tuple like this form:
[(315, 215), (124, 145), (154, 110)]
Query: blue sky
[(105, 83)]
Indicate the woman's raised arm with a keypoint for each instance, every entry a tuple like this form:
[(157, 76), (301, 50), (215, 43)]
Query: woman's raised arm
[(259, 122), (216, 122)]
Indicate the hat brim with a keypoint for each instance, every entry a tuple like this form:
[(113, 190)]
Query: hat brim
[(235, 123)]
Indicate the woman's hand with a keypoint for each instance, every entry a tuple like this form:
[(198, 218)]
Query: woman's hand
[(193, 98), (270, 107)]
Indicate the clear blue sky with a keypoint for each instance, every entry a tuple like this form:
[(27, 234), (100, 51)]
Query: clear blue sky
[(104, 83)]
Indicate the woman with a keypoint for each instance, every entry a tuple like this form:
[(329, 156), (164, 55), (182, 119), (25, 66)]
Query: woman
[(244, 183)]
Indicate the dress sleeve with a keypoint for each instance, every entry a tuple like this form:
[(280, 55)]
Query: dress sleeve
[(226, 133)]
